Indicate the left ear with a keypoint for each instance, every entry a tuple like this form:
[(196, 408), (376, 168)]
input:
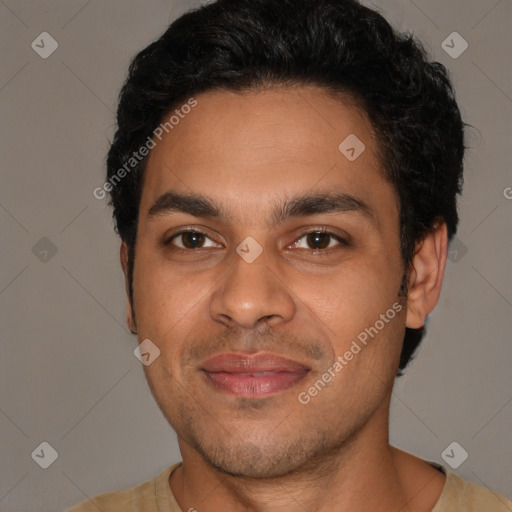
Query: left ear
[(426, 275)]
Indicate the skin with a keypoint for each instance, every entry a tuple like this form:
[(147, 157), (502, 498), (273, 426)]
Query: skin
[(247, 152)]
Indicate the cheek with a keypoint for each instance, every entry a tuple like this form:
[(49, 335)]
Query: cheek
[(162, 298), (171, 305), (358, 308), (351, 297)]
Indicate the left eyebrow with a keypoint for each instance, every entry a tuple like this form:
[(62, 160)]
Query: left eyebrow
[(298, 206), (315, 204)]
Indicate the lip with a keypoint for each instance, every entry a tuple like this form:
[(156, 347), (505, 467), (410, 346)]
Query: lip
[(253, 375)]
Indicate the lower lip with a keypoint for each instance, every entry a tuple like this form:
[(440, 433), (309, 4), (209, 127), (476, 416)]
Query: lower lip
[(250, 385)]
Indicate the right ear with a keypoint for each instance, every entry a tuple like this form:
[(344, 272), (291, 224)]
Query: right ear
[(124, 251)]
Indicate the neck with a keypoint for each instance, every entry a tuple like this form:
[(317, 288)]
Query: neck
[(364, 474)]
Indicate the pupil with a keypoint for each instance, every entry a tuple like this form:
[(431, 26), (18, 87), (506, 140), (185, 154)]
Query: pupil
[(313, 240), (187, 237)]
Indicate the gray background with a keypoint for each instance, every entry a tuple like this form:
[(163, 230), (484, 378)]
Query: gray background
[(68, 375)]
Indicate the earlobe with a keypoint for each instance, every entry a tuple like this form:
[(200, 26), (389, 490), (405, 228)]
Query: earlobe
[(426, 275), (130, 321)]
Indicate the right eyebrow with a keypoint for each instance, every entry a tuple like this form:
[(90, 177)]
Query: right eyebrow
[(196, 205)]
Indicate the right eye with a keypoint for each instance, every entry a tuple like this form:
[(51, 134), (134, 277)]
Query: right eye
[(189, 239)]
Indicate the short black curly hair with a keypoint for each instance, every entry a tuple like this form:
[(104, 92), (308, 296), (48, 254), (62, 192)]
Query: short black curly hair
[(339, 45)]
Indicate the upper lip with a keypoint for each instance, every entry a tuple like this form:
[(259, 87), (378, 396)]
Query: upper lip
[(252, 363)]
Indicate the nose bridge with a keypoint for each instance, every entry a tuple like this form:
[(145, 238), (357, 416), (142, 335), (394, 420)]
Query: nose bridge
[(252, 289)]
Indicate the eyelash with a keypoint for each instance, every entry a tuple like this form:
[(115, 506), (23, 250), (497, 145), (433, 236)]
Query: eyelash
[(319, 252)]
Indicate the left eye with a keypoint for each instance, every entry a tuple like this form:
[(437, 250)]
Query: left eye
[(319, 240)]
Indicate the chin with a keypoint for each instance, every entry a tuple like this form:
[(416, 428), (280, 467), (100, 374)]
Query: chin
[(246, 459)]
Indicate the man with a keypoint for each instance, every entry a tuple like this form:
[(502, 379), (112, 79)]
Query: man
[(284, 181)]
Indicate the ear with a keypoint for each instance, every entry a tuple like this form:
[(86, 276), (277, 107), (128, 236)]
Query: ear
[(124, 264), (426, 275)]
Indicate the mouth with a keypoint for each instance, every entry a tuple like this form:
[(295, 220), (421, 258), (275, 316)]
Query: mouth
[(253, 375)]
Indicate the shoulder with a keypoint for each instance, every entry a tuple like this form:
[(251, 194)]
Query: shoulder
[(463, 496), (144, 497)]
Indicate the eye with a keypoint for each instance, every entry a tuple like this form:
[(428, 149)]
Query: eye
[(189, 240), (319, 240)]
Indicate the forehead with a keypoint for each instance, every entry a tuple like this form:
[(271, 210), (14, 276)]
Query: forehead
[(243, 149)]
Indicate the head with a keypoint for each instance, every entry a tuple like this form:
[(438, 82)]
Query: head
[(247, 110)]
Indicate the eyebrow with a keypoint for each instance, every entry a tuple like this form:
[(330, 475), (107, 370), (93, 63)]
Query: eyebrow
[(298, 206)]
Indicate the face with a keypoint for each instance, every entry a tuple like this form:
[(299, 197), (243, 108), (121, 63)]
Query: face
[(267, 272)]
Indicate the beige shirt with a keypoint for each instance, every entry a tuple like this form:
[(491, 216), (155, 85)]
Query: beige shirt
[(155, 496)]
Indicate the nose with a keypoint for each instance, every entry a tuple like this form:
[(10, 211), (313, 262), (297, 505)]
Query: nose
[(252, 293)]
